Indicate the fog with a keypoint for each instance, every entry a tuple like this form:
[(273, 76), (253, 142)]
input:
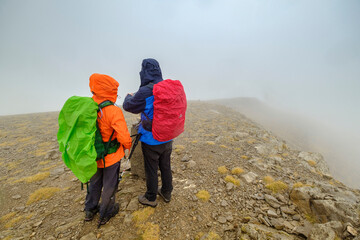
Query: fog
[(301, 57)]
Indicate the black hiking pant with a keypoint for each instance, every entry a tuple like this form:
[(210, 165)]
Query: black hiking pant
[(107, 180), (155, 157)]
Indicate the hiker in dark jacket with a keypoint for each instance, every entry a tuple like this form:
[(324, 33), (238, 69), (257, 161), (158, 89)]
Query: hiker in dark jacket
[(156, 154)]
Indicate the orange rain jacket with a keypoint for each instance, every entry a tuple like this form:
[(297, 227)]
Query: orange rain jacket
[(112, 118)]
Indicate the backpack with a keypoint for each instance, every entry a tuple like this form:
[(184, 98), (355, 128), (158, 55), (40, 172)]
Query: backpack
[(169, 109), (79, 137)]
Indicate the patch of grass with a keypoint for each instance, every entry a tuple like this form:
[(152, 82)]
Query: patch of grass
[(222, 169), (268, 179), (210, 236), (251, 141), (210, 143), (7, 144), (44, 145), (237, 171), (244, 157), (12, 222), (195, 141), (298, 185), (312, 163), (42, 194), (34, 178), (7, 216), (233, 180), (223, 146), (237, 149), (277, 186), (310, 218), (11, 165), (285, 154), (47, 168), (203, 195), (25, 139), (44, 162), (142, 215)]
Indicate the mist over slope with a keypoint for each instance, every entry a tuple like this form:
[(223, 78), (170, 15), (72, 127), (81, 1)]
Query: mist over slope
[(338, 147)]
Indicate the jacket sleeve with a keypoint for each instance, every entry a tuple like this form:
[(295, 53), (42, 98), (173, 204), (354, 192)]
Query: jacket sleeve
[(135, 104), (122, 134)]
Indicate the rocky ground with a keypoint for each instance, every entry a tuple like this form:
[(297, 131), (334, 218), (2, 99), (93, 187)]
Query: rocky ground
[(232, 180)]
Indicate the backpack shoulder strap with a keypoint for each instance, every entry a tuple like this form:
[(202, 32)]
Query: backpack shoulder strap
[(105, 104), (150, 85)]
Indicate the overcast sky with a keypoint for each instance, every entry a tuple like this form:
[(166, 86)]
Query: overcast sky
[(298, 55)]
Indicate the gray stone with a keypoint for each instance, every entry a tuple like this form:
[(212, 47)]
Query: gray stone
[(191, 164), (16, 197), (57, 171), (185, 158), (287, 210), (224, 203), (137, 159), (133, 205), (249, 177), (271, 213), (321, 232), (221, 219), (229, 186), (90, 236), (277, 223), (272, 201)]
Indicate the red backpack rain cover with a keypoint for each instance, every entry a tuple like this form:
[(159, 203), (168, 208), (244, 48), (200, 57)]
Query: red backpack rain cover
[(169, 110)]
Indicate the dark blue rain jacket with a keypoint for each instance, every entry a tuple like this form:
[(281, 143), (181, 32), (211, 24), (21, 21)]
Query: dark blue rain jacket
[(143, 100)]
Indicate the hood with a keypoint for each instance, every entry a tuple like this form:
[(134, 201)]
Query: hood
[(103, 87), (150, 72)]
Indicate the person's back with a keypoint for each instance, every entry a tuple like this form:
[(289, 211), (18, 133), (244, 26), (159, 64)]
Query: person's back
[(111, 122), (156, 153)]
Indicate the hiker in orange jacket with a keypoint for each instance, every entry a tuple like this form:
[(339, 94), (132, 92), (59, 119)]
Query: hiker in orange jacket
[(110, 118)]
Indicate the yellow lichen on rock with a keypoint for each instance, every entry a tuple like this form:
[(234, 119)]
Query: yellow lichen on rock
[(277, 186), (237, 171), (142, 215), (222, 169), (151, 231), (203, 195), (233, 180), (42, 194)]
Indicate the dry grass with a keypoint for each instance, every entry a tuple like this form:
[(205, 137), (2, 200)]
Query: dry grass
[(222, 169), (244, 157), (312, 163), (237, 171), (195, 141), (277, 186), (34, 178), (44, 162), (25, 139), (210, 236), (47, 168), (237, 149), (223, 146), (12, 165), (42, 194), (268, 179), (203, 195), (210, 143), (298, 185), (251, 141), (12, 222), (7, 144), (7, 216), (233, 180)]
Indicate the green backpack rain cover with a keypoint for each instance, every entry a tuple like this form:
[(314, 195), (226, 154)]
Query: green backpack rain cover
[(76, 136)]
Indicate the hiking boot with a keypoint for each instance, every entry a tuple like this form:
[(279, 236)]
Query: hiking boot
[(144, 201), (166, 197), (89, 214), (104, 220)]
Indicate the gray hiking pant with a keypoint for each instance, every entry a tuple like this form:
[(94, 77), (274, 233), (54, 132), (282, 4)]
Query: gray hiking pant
[(107, 180)]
